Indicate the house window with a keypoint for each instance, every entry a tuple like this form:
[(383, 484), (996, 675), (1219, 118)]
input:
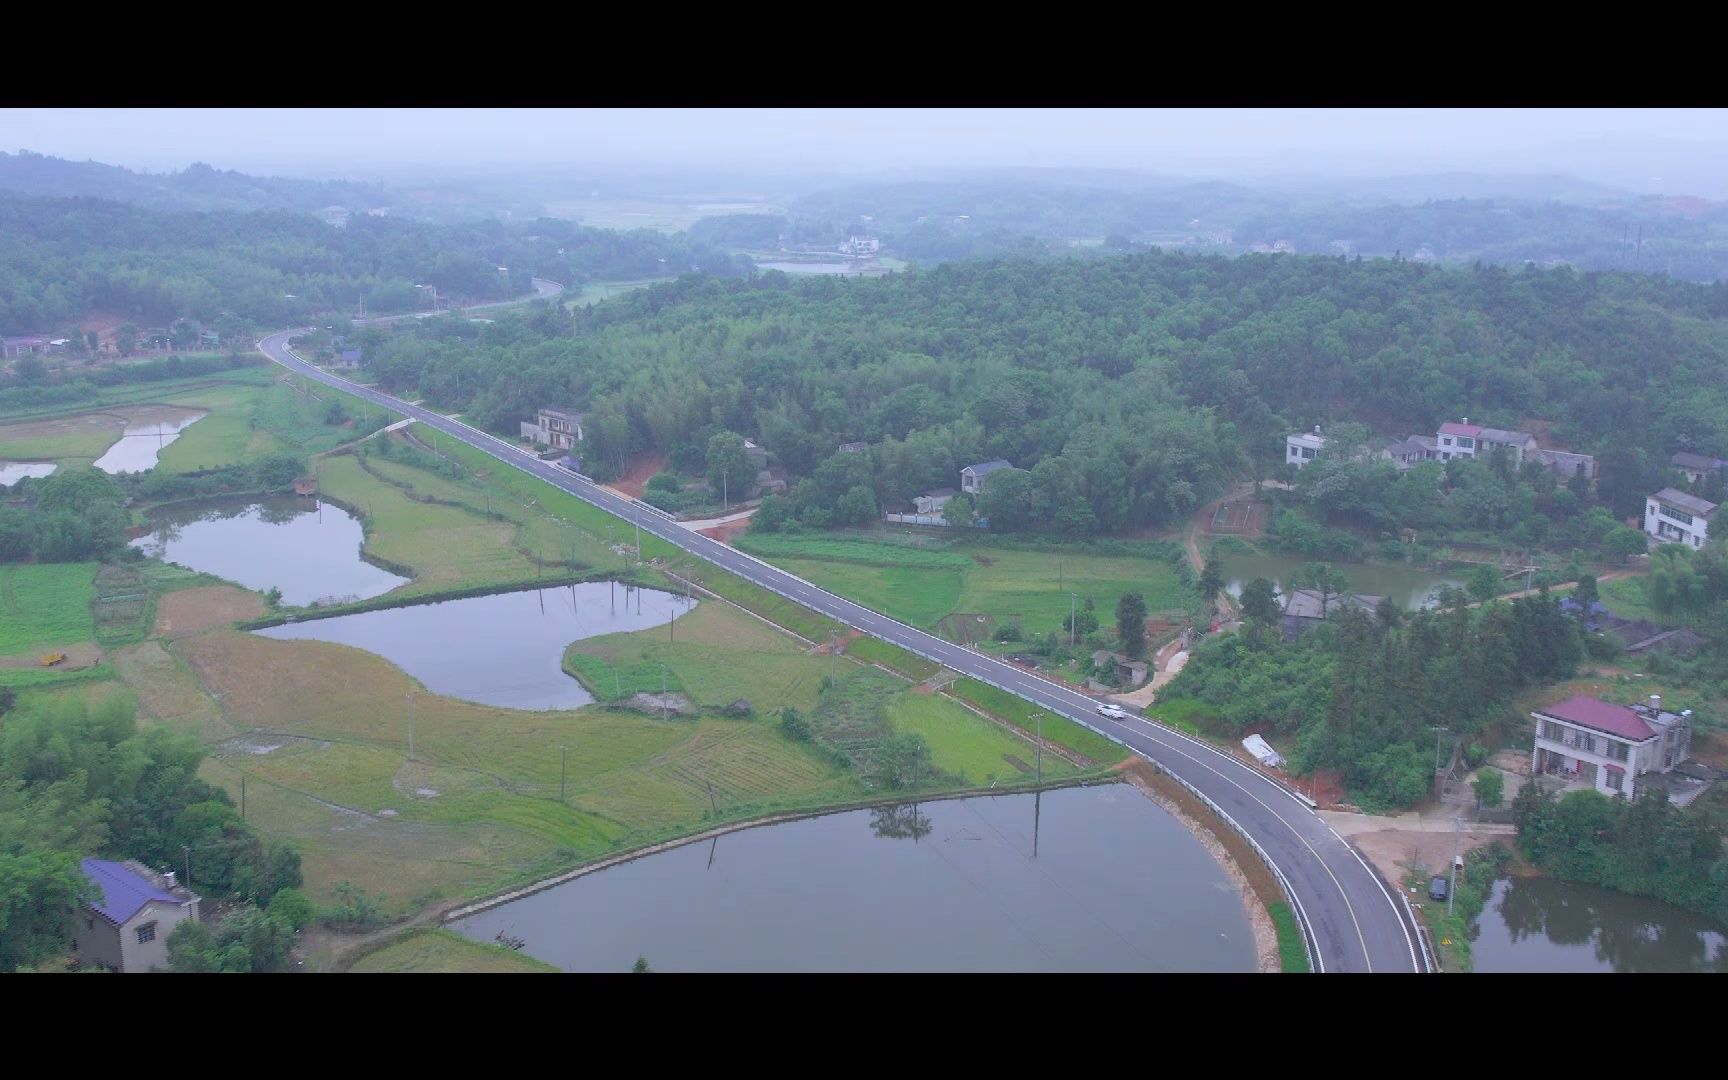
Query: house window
[(1616, 780), (1587, 743), (1678, 515), (1618, 751), (1308, 452), (147, 933), (1447, 441), (1466, 444)]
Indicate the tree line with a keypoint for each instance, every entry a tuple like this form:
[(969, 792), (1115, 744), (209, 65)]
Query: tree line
[(1144, 381)]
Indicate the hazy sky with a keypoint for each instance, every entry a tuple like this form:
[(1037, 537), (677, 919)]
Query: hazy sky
[(323, 141)]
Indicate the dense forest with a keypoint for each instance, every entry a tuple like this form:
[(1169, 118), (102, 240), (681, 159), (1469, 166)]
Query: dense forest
[(1364, 694), (1136, 384), (78, 779), (64, 259)]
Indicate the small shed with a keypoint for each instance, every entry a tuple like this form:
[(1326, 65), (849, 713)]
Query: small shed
[(1263, 752)]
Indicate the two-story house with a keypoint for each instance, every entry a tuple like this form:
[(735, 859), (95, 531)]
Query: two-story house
[(1589, 741), (972, 476), (1678, 518), (560, 429), (1467, 440), (1303, 447), (126, 928)]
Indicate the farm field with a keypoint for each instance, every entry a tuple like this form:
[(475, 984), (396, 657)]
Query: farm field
[(596, 292), (44, 605)]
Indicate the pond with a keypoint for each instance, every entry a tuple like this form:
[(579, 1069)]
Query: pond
[(13, 471), (147, 433), (506, 649), (1410, 587), (1540, 924), (1077, 879), (308, 548)]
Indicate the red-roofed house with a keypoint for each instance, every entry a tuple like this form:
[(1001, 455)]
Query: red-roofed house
[(1605, 746)]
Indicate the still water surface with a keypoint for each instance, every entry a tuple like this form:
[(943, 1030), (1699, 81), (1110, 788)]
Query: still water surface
[(140, 443), (307, 548), (506, 649), (1410, 587), (1116, 885), (1540, 924), (13, 471)]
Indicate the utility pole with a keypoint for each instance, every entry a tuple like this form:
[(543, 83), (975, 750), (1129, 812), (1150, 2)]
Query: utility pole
[(410, 725), (1452, 889), (1071, 599), (725, 499), (242, 796), (833, 649), (1038, 718), (187, 849), (562, 753)]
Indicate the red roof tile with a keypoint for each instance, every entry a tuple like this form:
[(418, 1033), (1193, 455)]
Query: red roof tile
[(1601, 716), (1460, 429)]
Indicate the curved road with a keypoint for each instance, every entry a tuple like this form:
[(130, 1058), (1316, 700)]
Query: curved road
[(543, 290), (1352, 921)]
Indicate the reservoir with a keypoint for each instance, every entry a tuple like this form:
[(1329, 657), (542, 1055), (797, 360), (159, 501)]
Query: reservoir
[(1077, 879), (506, 649)]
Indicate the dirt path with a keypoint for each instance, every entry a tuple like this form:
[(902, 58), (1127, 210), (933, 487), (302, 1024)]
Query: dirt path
[(1612, 575), (81, 654), (1172, 665), (633, 483), (1201, 525)]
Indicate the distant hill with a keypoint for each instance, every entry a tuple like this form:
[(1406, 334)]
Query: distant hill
[(197, 187)]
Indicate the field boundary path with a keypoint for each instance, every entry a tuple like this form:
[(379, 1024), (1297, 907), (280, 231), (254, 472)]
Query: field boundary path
[(1349, 917)]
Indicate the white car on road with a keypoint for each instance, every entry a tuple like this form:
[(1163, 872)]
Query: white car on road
[(1113, 712)]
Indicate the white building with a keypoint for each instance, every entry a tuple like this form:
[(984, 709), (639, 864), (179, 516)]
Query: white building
[(972, 476), (1466, 440), (1678, 518), (1605, 746), (932, 502), (560, 429), (860, 245), (126, 928), (1303, 447)]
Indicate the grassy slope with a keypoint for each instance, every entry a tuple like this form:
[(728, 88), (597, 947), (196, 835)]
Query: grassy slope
[(964, 743), (921, 587), (442, 951)]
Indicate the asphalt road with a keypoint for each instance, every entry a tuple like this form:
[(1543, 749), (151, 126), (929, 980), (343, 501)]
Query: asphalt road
[(543, 290), (1351, 919)]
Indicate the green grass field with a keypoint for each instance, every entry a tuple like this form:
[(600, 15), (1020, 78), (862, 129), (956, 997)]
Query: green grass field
[(45, 605), (1629, 598), (922, 586), (596, 292), (1024, 715), (443, 951), (445, 545), (966, 744)]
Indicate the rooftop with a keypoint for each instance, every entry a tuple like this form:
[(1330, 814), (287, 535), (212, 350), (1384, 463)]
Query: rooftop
[(1469, 430), (1599, 715), (940, 493), (1501, 435), (1679, 500), (562, 413), (1305, 603), (984, 467), (126, 888), (1686, 460)]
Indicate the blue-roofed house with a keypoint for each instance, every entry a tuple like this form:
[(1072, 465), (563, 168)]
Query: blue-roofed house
[(972, 476), (127, 927)]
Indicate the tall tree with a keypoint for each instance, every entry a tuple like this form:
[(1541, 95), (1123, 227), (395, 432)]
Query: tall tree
[(1211, 577), (730, 470), (1324, 579), (1131, 623)]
